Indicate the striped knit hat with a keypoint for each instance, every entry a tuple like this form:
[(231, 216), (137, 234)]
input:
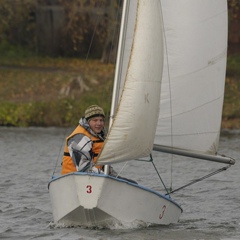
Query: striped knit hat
[(94, 111)]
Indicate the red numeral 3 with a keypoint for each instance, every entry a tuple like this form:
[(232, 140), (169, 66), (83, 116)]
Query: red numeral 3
[(89, 189)]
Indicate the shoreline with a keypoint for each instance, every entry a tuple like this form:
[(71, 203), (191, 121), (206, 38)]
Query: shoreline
[(230, 124)]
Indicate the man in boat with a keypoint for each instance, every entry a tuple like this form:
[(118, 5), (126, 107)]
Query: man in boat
[(85, 142)]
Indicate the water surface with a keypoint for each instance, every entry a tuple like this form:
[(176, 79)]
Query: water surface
[(28, 158)]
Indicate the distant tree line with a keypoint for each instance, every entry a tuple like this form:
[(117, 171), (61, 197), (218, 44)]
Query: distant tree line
[(74, 28), (234, 25)]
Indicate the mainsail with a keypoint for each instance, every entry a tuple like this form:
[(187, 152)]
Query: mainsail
[(194, 76), (140, 73)]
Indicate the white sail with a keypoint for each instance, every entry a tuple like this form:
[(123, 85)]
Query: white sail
[(194, 75), (192, 88), (132, 132)]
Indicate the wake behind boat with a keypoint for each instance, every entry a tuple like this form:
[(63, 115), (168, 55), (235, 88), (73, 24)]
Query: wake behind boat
[(168, 96)]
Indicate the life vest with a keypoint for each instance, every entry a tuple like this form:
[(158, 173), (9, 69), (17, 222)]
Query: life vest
[(67, 163)]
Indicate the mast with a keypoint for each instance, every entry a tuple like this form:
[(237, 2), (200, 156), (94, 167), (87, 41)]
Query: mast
[(118, 67), (119, 60)]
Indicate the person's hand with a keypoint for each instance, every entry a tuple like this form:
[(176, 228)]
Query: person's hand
[(96, 170), (112, 172)]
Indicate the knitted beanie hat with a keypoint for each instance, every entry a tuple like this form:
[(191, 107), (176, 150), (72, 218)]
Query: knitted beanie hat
[(94, 111)]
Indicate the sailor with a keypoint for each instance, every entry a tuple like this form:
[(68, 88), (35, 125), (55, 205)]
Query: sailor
[(85, 142)]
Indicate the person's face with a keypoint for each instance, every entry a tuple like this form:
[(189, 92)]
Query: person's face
[(97, 124)]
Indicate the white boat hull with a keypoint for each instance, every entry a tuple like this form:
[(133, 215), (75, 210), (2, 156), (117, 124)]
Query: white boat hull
[(98, 200)]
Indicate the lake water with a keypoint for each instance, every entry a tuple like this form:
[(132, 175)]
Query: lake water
[(28, 158)]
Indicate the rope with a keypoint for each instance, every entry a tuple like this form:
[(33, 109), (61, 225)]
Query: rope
[(191, 183), (200, 179), (169, 78), (59, 152), (115, 29), (93, 35), (151, 160), (122, 169)]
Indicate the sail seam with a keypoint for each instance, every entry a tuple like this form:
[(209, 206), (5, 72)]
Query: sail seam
[(190, 134), (210, 63), (215, 16), (192, 109)]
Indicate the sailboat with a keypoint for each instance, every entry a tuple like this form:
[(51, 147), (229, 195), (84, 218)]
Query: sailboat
[(167, 96)]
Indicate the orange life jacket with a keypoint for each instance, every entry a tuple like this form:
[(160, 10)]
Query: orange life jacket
[(67, 163)]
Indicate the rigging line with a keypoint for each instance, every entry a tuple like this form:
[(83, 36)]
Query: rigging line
[(151, 159), (103, 93), (202, 178), (63, 142), (169, 87), (115, 29), (122, 169), (113, 36), (94, 32)]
